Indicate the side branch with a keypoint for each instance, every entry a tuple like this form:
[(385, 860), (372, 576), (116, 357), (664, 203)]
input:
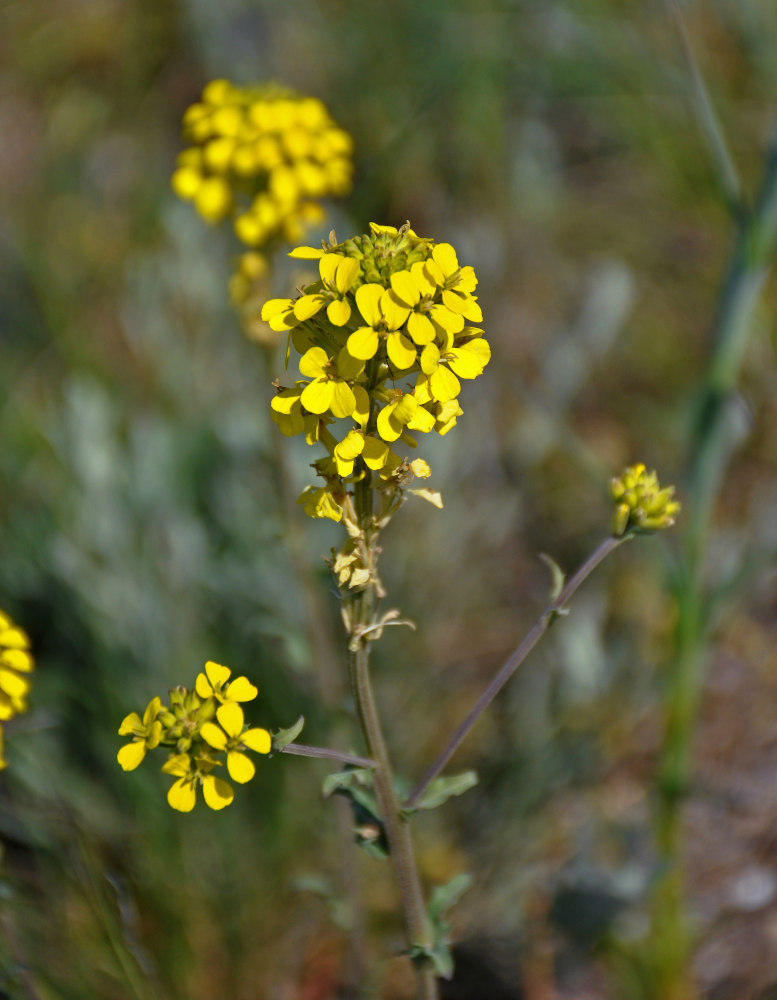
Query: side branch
[(540, 627), (302, 750)]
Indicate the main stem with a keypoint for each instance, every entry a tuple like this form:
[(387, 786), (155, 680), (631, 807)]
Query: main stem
[(397, 830)]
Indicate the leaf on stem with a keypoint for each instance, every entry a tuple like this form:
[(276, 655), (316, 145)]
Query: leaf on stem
[(442, 789), (282, 737)]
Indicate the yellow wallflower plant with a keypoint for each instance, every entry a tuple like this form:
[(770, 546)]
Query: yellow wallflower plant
[(381, 346)]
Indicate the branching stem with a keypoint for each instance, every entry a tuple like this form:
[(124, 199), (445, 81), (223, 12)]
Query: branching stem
[(508, 668)]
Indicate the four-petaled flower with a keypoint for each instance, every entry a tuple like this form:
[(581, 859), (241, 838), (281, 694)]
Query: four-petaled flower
[(191, 773), (215, 683), (233, 740)]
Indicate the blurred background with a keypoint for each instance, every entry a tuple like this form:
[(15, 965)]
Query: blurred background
[(147, 516)]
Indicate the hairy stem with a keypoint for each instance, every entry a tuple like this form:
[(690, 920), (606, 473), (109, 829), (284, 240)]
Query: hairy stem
[(508, 668), (402, 857)]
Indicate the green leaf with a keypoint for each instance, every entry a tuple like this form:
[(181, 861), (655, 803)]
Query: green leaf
[(356, 784), (558, 577), (442, 789), (282, 737), (446, 896)]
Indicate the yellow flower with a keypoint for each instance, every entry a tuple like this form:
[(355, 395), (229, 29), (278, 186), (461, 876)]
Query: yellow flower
[(146, 734), (641, 503), (383, 340), (232, 739), (215, 683), (16, 663), (385, 316), (329, 390), (191, 773)]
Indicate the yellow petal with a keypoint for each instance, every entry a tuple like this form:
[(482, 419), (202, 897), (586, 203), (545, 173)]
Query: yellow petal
[(230, 718), (179, 764), (152, 711), (308, 306), (422, 420), (445, 256), (203, 686), (13, 685), (466, 363), (394, 312), (448, 320), (343, 400), (444, 384), (306, 253), (339, 311), (375, 453), (430, 359), (313, 363), (317, 396), (241, 689), (327, 267), (216, 792), (420, 328), (15, 638), (361, 414), (182, 796), (389, 428), (257, 739), (130, 723), (363, 343), (368, 300), (213, 736), (347, 272), (423, 282), (401, 350), (131, 754), (405, 288), (240, 767), (217, 674)]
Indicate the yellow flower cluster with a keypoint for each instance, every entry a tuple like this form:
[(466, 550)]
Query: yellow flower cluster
[(262, 155), (641, 504), (16, 663), (199, 726), (383, 336)]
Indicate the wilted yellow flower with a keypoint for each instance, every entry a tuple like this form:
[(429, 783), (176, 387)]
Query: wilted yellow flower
[(641, 503)]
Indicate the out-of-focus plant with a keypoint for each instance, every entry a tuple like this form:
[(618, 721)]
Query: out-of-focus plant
[(263, 156), (16, 663)]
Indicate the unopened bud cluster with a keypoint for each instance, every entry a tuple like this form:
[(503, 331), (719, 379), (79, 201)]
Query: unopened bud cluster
[(383, 337), (640, 502), (16, 664), (203, 729)]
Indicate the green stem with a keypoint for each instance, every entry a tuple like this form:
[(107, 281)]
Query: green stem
[(712, 443), (400, 844)]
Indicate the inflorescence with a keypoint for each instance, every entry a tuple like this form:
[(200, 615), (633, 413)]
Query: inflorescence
[(263, 156), (16, 663), (202, 728), (383, 336), (640, 502)]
